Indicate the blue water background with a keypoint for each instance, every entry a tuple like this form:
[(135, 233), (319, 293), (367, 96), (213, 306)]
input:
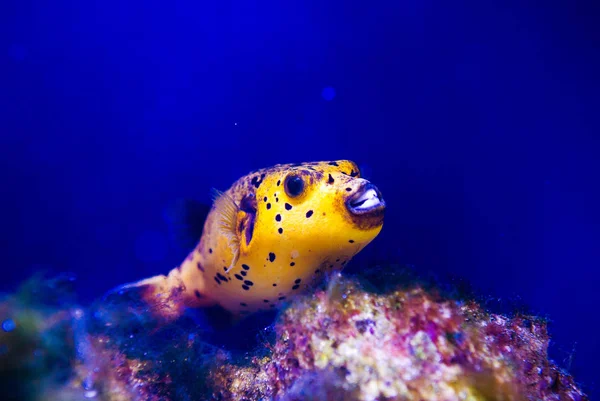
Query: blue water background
[(477, 120)]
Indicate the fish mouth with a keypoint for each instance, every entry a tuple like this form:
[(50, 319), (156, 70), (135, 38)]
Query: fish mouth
[(367, 201)]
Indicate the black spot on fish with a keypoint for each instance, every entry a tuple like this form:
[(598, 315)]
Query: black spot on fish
[(288, 206), (353, 173), (278, 182), (243, 273), (239, 277), (256, 181), (245, 287), (266, 301), (351, 241), (265, 199), (295, 287), (281, 298), (271, 256), (268, 205), (280, 230), (200, 267), (293, 264), (197, 294), (243, 304), (221, 277), (298, 280), (278, 217), (348, 189), (209, 250), (245, 267), (309, 213), (248, 282), (276, 200), (333, 164), (217, 280), (274, 284), (225, 269), (330, 180)]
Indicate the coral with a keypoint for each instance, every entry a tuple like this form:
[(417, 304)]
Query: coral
[(388, 337), (36, 339), (405, 344)]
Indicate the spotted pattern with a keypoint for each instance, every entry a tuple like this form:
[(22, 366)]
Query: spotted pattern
[(256, 181), (289, 267)]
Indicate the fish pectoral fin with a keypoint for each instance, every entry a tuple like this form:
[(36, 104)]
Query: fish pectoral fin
[(228, 213)]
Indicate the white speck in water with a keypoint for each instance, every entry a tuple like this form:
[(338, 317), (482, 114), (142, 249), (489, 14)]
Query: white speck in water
[(90, 394)]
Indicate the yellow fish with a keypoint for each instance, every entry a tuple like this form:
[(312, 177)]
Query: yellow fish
[(273, 234)]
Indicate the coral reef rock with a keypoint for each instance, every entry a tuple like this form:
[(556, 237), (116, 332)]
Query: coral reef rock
[(390, 337)]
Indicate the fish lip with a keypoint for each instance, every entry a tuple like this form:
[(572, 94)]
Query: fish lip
[(354, 202)]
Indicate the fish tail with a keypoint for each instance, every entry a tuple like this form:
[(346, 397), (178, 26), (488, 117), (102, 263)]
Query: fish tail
[(164, 296)]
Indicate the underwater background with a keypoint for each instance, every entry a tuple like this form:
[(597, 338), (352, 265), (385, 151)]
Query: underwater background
[(478, 122)]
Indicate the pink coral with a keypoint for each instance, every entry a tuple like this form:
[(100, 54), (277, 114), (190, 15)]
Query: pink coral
[(408, 344)]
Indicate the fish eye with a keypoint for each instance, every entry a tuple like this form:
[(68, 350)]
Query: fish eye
[(294, 186)]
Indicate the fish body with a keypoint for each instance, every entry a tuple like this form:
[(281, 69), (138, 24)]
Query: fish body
[(273, 234)]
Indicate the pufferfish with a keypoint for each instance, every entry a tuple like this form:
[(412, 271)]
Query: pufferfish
[(274, 233)]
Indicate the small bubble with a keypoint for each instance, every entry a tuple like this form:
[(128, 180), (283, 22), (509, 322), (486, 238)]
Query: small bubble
[(328, 93), (8, 325)]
